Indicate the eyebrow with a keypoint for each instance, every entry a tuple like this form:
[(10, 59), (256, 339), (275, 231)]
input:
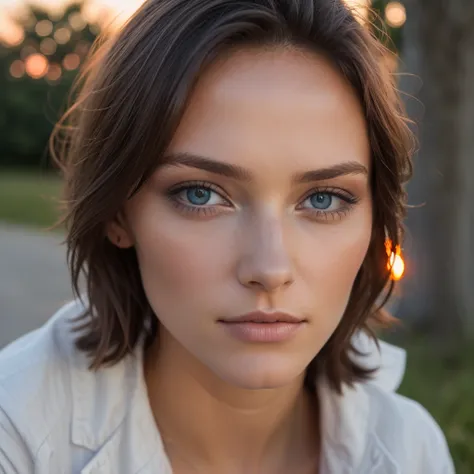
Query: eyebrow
[(207, 164), (242, 174), (331, 172)]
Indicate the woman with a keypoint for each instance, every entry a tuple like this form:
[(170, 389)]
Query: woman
[(233, 170)]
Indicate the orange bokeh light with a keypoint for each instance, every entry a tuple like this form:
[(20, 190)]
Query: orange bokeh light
[(395, 263), (82, 48), (14, 37), (17, 68), (36, 65), (48, 46), (44, 28), (54, 72), (62, 35), (77, 21), (395, 14), (71, 61)]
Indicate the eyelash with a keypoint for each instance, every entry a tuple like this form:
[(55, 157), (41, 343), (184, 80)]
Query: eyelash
[(207, 211), (348, 198)]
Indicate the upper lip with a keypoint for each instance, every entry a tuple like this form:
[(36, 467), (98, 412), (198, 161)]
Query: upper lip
[(264, 317)]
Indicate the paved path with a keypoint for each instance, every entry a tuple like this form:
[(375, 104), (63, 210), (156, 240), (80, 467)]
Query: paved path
[(34, 280)]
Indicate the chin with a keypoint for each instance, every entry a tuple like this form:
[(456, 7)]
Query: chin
[(261, 374)]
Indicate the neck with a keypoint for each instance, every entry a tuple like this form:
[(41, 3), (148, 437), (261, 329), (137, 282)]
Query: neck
[(214, 427)]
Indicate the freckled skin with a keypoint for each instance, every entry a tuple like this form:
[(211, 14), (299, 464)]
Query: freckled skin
[(274, 113)]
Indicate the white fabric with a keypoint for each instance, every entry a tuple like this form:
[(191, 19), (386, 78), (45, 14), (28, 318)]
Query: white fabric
[(57, 417), (390, 360)]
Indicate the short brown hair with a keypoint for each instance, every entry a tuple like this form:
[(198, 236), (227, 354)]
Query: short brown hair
[(132, 95)]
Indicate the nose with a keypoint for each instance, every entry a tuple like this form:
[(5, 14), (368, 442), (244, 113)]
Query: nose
[(265, 263)]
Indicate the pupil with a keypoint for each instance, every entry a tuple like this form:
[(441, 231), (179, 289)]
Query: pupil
[(198, 195)]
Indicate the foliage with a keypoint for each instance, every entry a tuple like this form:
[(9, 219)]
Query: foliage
[(442, 381), (29, 107)]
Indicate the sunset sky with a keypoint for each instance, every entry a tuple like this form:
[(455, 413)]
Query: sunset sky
[(129, 5), (122, 8)]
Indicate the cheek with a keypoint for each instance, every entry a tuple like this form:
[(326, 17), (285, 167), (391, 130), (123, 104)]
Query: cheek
[(179, 260), (334, 262)]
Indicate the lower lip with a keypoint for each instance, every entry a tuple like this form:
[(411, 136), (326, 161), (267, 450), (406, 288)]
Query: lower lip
[(262, 332)]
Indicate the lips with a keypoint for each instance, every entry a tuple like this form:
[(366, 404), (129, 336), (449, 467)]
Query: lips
[(264, 318), (263, 327)]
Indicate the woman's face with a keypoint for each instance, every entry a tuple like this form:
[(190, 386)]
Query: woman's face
[(263, 204)]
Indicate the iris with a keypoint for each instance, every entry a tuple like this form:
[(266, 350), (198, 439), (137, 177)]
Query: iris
[(198, 195), (321, 200)]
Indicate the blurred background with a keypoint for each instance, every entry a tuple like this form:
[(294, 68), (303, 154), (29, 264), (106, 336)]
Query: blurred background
[(431, 44)]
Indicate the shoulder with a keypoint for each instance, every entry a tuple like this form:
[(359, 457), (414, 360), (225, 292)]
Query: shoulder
[(407, 431), (402, 427), (35, 385), (378, 428), (55, 413)]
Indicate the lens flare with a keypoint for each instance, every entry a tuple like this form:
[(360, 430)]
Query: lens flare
[(395, 264)]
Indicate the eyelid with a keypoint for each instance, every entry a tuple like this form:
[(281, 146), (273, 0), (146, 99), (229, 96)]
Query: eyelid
[(198, 184)]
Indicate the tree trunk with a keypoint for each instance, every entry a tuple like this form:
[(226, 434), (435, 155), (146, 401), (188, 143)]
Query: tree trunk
[(439, 287)]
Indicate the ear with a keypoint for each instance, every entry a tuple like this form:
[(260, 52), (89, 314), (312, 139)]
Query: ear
[(118, 232)]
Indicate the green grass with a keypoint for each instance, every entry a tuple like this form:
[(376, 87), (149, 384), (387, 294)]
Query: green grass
[(444, 384), (29, 198)]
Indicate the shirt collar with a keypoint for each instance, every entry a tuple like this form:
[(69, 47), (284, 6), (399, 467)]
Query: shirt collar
[(349, 443), (120, 429), (390, 361)]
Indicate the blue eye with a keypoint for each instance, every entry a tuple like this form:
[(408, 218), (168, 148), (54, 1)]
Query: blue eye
[(330, 204), (199, 199), (321, 200), (198, 196)]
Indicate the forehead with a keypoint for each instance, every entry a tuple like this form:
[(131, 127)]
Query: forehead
[(274, 108)]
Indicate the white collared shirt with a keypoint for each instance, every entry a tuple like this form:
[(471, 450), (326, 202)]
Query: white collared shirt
[(57, 417)]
